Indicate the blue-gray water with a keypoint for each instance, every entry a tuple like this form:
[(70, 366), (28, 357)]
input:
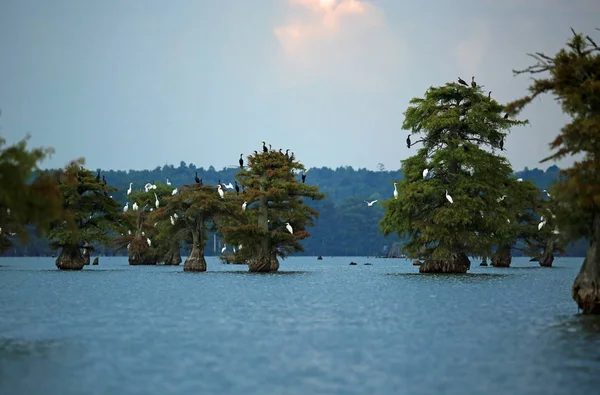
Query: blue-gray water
[(317, 327)]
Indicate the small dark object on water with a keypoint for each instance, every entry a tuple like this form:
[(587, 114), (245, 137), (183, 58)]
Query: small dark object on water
[(95, 261), (352, 263), (368, 264), (319, 258), (483, 264), (534, 259), (416, 262)]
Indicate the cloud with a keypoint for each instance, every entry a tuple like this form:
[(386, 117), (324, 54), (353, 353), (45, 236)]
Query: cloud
[(347, 42)]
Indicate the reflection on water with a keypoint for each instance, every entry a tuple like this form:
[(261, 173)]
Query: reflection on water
[(316, 327)]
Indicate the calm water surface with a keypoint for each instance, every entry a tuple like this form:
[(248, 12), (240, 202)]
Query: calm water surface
[(317, 327)]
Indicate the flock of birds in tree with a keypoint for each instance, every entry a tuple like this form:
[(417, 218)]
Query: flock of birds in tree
[(501, 145), (220, 190)]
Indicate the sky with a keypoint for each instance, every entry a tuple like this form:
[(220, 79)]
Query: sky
[(138, 84)]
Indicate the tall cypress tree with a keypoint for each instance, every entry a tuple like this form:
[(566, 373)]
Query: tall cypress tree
[(456, 124), (92, 215), (573, 76), (274, 204), (28, 196)]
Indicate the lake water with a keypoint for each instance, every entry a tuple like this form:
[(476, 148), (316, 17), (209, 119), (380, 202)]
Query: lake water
[(316, 327)]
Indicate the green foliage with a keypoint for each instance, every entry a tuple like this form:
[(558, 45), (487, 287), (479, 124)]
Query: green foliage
[(457, 124), (573, 76), (191, 213), (274, 197), (91, 214), (25, 197)]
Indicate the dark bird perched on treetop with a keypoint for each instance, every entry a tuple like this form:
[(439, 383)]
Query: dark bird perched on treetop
[(241, 161), (303, 176), (197, 179), (473, 83), (461, 81), (265, 147), (408, 141)]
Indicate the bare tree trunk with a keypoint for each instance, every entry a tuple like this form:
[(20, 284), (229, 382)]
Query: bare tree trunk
[(173, 256), (483, 261), (459, 263), (264, 261), (70, 258), (547, 256), (586, 288), (502, 257), (196, 262)]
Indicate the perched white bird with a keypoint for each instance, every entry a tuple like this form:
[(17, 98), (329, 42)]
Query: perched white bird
[(395, 191), (224, 248), (508, 220), (156, 202), (143, 233), (553, 216), (239, 247), (541, 225), (371, 203), (128, 245), (425, 172), (129, 232), (229, 186), (147, 187), (168, 182), (289, 227), (234, 250), (481, 212), (546, 192), (520, 179), (172, 220), (129, 190), (244, 206), (500, 198), (126, 207), (135, 206), (220, 190), (555, 231), (174, 191), (449, 197), (175, 216), (149, 242)]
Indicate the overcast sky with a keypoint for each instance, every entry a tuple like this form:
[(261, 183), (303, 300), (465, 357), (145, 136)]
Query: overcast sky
[(135, 84)]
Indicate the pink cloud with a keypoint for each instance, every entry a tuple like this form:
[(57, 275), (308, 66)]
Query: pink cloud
[(340, 41)]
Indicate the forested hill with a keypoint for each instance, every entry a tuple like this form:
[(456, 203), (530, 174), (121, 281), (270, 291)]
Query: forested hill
[(346, 226)]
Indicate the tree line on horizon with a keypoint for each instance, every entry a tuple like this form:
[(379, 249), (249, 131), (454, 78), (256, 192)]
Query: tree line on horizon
[(457, 197)]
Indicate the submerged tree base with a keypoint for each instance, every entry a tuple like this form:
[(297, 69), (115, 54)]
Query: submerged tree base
[(586, 288), (546, 260), (459, 263), (263, 265), (70, 258), (195, 262), (140, 253), (173, 257), (502, 257)]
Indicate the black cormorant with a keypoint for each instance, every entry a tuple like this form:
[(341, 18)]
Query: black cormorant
[(237, 188), (489, 94), (303, 176), (98, 176), (265, 147), (408, 141), (461, 81), (241, 161), (473, 83), (197, 179)]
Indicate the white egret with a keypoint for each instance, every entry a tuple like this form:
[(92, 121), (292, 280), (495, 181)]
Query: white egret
[(128, 245), (481, 212), (229, 186), (156, 202), (449, 197), (149, 242), (371, 203), (147, 186), (234, 250), (555, 231), (126, 207), (395, 191), (244, 206), (239, 247), (508, 220), (172, 220), (168, 182), (224, 248), (546, 192), (220, 190), (175, 216), (129, 190), (129, 232), (135, 206), (289, 227), (553, 216), (520, 179), (500, 198), (541, 225), (425, 172), (174, 191)]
